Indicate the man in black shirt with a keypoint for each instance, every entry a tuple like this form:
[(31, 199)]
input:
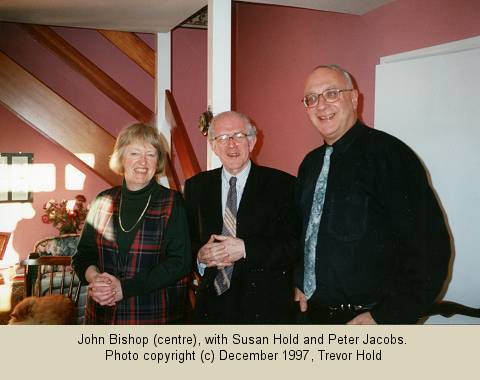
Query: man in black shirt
[(378, 250)]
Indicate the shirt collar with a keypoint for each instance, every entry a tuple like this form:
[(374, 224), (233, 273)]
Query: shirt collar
[(341, 145), (241, 176)]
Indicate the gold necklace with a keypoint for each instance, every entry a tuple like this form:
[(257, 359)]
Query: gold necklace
[(139, 218)]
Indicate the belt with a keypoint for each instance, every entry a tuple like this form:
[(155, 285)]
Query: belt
[(348, 307), (337, 314)]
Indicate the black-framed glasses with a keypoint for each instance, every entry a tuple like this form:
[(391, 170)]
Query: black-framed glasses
[(238, 138), (330, 96)]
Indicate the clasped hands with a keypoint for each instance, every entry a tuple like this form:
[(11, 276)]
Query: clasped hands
[(221, 251), (105, 289)]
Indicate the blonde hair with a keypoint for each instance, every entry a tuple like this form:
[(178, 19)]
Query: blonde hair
[(136, 132)]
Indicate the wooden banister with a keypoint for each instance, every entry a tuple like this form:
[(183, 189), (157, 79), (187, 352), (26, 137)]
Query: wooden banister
[(83, 65), (134, 48), (180, 139), (54, 117), (171, 175), (448, 308)]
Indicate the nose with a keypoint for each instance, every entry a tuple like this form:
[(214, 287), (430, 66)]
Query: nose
[(321, 102), (231, 141)]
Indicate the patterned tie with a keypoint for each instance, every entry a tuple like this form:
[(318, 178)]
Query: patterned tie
[(309, 281), (222, 280)]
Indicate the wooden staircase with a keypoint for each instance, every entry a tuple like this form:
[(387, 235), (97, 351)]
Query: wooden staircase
[(54, 117), (62, 123)]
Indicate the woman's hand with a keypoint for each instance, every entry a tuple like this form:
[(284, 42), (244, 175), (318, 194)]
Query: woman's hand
[(104, 288)]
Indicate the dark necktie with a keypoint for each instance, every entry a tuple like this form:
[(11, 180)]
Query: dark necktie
[(222, 280), (309, 280)]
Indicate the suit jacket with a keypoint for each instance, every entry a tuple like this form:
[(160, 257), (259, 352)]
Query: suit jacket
[(261, 284)]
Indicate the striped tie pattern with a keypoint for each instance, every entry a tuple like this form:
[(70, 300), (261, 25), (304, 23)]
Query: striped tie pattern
[(311, 236), (222, 280)]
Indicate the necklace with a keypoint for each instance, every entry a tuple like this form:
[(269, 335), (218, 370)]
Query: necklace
[(139, 218)]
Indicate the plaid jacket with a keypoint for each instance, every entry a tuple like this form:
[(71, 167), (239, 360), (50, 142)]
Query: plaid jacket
[(165, 305)]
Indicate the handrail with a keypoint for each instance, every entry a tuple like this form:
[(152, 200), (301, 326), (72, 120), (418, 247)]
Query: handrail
[(171, 175), (449, 308), (133, 47), (180, 139), (83, 65)]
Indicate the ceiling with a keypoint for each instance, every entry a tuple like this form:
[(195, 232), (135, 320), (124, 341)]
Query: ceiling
[(149, 16)]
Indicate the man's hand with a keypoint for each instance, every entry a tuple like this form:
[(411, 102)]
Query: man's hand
[(212, 253), (363, 319), (234, 248), (301, 299)]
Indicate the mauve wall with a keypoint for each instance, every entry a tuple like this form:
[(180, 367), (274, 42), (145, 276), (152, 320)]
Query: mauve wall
[(24, 219), (278, 46), (189, 83)]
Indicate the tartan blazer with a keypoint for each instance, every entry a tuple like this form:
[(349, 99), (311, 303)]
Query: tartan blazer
[(164, 305)]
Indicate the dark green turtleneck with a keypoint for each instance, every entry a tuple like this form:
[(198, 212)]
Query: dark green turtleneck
[(133, 204)]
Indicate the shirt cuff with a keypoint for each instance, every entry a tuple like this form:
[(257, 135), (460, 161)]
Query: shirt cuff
[(201, 268)]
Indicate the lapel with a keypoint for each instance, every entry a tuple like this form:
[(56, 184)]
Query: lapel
[(248, 197), (214, 201)]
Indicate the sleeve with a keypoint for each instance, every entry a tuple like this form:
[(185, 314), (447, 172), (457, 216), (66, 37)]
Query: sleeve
[(300, 263), (274, 243), (422, 239), (86, 253), (193, 222), (177, 262)]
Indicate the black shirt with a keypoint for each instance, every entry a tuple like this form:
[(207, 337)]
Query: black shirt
[(382, 237)]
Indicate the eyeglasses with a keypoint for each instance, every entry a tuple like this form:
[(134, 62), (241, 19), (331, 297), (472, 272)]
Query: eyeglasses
[(330, 96), (237, 138)]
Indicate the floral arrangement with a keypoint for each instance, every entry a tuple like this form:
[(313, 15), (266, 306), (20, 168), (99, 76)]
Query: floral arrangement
[(66, 216)]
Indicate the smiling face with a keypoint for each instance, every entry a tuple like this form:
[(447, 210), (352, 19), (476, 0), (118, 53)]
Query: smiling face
[(140, 164), (233, 155), (332, 120)]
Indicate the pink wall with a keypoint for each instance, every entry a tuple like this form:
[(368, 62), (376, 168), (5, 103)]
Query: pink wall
[(189, 83), (20, 137), (406, 25), (278, 46)]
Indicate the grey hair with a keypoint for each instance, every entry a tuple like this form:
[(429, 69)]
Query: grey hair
[(338, 69), (251, 130)]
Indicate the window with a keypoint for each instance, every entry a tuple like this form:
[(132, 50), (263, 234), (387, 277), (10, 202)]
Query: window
[(15, 177)]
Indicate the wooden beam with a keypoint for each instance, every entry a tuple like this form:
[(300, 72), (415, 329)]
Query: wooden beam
[(54, 117), (134, 47), (84, 66), (180, 139)]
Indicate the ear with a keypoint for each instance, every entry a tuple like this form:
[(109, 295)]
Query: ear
[(251, 143), (213, 146), (354, 97)]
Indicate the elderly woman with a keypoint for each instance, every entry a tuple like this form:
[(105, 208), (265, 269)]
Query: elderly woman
[(134, 251)]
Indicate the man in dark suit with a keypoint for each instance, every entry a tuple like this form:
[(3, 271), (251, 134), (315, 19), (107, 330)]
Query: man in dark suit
[(254, 232)]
